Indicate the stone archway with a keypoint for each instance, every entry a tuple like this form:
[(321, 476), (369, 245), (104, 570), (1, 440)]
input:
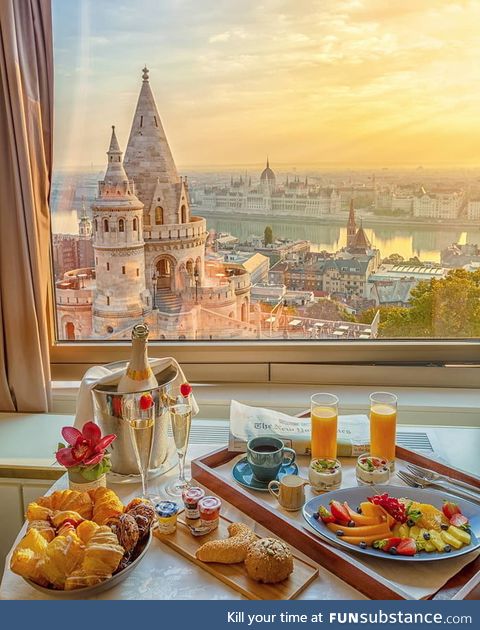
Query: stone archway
[(165, 272)]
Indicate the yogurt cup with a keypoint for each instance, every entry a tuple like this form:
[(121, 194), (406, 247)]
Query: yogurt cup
[(371, 470), (325, 474)]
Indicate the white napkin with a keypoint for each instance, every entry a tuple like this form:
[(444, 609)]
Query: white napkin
[(101, 375)]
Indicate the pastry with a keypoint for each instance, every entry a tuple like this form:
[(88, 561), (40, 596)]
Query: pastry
[(269, 560), (68, 500), (126, 529), (60, 559), (26, 556), (37, 512), (59, 518), (86, 530), (228, 550), (44, 528), (134, 502), (101, 557), (144, 515), (106, 505)]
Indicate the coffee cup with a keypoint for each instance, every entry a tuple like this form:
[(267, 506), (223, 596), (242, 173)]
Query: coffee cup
[(289, 491), (266, 455)]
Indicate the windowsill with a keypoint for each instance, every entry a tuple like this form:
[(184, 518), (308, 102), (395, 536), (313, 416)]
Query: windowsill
[(417, 405)]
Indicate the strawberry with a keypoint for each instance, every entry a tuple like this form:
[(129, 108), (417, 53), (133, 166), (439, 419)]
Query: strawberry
[(339, 512), (385, 544), (185, 389), (449, 509), (459, 520), (325, 515), (146, 401), (407, 547)]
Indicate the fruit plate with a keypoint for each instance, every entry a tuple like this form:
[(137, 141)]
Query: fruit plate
[(92, 591), (354, 496)]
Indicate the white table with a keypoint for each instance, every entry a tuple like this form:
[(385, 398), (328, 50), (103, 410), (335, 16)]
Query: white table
[(164, 574)]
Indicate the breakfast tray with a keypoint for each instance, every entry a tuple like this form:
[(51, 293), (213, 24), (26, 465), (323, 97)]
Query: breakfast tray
[(464, 585)]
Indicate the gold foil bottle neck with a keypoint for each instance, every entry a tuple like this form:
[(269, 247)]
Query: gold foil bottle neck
[(140, 331)]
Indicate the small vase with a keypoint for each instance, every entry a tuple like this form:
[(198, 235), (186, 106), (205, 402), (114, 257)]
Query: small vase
[(79, 483)]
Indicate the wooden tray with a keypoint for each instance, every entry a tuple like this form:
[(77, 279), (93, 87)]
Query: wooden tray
[(464, 585), (235, 575)]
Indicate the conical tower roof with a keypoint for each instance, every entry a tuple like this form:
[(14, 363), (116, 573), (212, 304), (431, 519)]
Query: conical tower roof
[(115, 173), (361, 242), (148, 158)]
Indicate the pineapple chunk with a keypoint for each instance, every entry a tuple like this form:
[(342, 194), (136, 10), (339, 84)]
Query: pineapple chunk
[(451, 540), (404, 531), (437, 540), (427, 544), (396, 530), (415, 532), (460, 534)]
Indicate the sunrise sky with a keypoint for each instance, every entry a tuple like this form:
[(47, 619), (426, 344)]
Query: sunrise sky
[(354, 82)]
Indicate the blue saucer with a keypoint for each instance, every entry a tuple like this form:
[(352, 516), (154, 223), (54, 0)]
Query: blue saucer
[(242, 473)]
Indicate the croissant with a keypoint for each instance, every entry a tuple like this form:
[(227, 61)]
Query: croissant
[(44, 528), (61, 558), (106, 505), (86, 530), (26, 556), (101, 558), (228, 550), (37, 512), (68, 500)]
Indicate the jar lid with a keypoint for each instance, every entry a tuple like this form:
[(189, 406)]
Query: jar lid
[(166, 508), (209, 504), (193, 493)]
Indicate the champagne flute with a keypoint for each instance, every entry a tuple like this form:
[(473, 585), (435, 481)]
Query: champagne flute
[(138, 411), (181, 419)]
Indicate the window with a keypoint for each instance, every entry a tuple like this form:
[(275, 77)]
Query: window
[(383, 250), (123, 269)]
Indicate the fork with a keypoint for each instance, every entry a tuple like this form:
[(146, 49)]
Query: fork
[(430, 475), (416, 482)]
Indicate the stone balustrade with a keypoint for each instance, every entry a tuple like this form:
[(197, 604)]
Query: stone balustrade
[(195, 228)]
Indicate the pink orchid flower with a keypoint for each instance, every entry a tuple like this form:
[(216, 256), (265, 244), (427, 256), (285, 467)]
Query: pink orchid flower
[(87, 447)]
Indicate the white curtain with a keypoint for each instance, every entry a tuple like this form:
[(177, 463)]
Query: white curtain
[(26, 117)]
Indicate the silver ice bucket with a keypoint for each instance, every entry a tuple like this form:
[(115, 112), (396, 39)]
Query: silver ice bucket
[(108, 414)]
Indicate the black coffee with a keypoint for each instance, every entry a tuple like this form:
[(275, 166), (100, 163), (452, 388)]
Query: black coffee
[(264, 448)]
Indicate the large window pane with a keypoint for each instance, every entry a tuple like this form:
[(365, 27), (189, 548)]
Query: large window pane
[(362, 223)]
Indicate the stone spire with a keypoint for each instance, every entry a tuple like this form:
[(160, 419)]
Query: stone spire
[(148, 158), (351, 225), (115, 172)]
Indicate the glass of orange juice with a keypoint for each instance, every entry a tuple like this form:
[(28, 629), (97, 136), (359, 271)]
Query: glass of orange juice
[(324, 417), (383, 425)]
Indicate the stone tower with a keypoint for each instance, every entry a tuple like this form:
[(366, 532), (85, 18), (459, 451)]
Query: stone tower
[(174, 240), (120, 296), (351, 225)]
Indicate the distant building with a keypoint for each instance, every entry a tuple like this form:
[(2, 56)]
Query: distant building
[(71, 251), (268, 197), (391, 292), (413, 272), (439, 205), (458, 256), (473, 209)]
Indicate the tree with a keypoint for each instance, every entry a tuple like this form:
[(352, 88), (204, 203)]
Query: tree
[(268, 235), (394, 259), (445, 308)]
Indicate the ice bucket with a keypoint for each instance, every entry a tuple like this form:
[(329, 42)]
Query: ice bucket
[(108, 414)]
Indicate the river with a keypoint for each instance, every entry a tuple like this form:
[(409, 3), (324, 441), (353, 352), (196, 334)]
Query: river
[(421, 241)]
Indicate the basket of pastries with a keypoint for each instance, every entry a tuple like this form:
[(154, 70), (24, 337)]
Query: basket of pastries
[(80, 543)]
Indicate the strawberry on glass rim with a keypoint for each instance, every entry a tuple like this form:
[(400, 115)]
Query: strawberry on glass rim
[(185, 389), (146, 401)]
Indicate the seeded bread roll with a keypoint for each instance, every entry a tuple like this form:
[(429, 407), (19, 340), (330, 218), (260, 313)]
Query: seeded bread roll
[(269, 561)]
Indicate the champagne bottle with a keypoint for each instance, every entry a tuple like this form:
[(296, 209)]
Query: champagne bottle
[(138, 376)]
